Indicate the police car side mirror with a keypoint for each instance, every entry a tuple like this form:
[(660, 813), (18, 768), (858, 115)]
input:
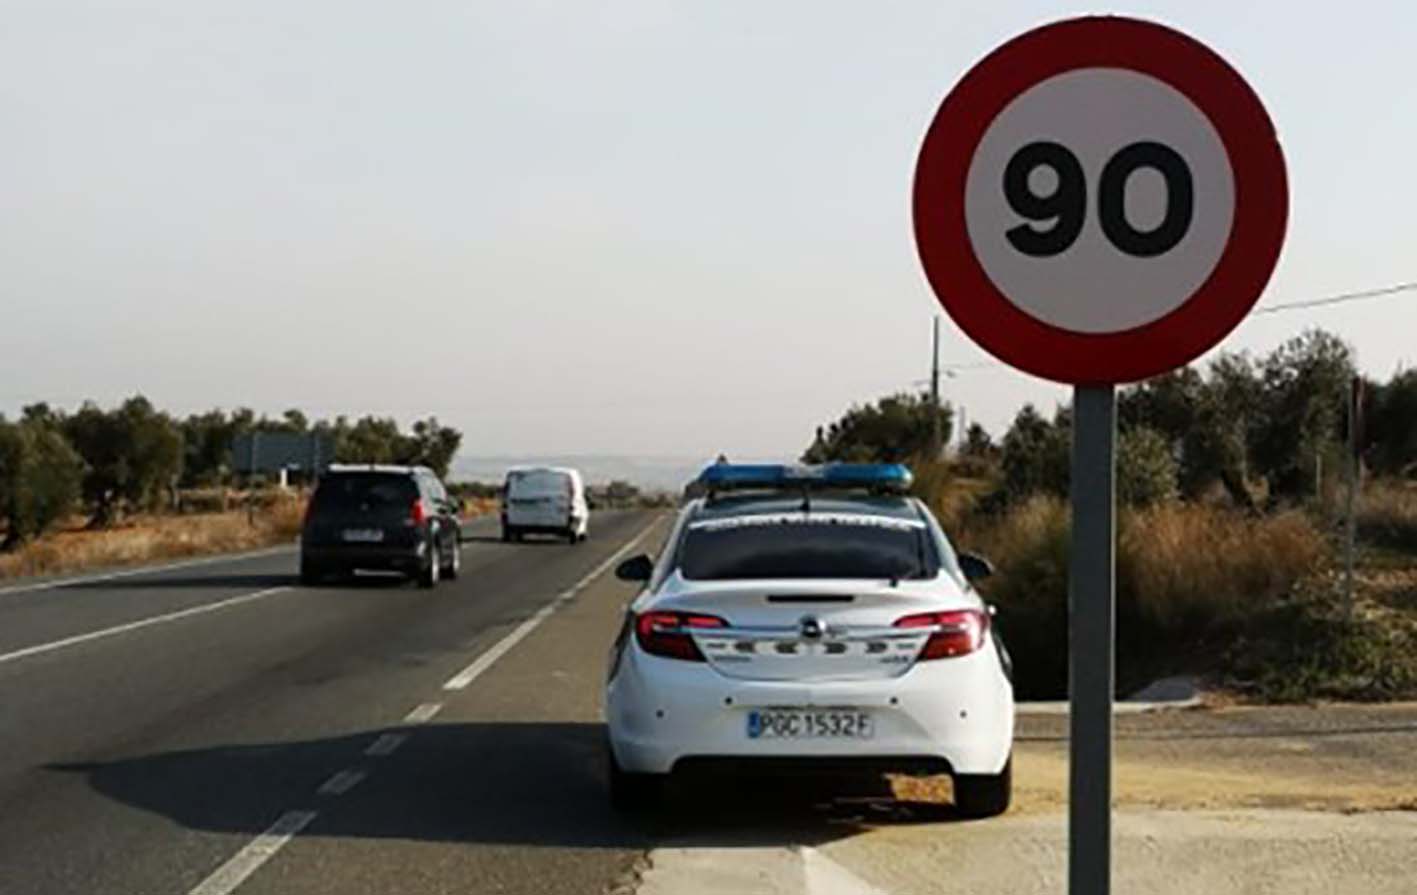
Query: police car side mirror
[(636, 568), (975, 567)]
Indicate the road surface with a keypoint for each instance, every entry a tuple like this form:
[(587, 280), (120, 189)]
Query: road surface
[(153, 727), (215, 728)]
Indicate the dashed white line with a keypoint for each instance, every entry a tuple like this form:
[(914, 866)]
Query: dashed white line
[(423, 713), (519, 633), (133, 626), (234, 872), (386, 744), (342, 782)]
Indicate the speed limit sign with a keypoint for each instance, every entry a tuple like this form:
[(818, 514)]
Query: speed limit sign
[(1100, 200)]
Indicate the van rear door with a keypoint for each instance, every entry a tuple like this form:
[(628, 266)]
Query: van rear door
[(539, 498)]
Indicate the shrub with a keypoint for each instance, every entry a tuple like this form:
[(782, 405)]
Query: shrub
[(1189, 579), (39, 479), (1190, 567), (1146, 468), (1387, 515)]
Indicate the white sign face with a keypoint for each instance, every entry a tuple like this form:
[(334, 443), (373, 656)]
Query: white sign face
[(1092, 218)]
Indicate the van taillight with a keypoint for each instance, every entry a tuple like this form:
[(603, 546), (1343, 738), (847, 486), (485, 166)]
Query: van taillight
[(665, 633), (417, 515), (959, 633)]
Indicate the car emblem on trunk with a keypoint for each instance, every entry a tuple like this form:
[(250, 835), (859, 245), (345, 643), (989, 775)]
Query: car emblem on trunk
[(811, 627)]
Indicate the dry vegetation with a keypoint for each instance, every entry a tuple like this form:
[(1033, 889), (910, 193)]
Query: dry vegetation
[(141, 539), (1252, 601), (156, 538), (1387, 516)]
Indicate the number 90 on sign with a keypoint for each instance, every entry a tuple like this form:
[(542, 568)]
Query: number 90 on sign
[(1066, 201)]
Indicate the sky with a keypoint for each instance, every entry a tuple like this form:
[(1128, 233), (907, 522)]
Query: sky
[(640, 227)]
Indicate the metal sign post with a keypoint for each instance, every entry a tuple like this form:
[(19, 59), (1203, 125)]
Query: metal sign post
[(1091, 616)]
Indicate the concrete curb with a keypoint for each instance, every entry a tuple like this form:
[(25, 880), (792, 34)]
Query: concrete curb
[(1167, 693)]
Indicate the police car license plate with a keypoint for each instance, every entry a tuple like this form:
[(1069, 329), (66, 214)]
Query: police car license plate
[(810, 724)]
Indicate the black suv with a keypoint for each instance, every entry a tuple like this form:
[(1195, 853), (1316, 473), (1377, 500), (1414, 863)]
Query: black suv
[(388, 518)]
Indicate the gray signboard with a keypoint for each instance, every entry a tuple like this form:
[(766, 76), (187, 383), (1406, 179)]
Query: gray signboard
[(271, 452)]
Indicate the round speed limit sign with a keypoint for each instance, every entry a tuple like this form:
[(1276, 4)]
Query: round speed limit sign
[(1100, 200)]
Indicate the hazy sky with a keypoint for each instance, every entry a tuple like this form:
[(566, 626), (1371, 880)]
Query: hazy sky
[(634, 227)]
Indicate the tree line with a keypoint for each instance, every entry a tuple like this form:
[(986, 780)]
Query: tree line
[(104, 462), (1259, 429)]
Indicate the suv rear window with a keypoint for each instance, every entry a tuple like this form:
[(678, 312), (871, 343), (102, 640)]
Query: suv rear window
[(807, 546), (354, 490)]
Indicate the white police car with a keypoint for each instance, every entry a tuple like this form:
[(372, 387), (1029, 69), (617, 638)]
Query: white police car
[(809, 619)]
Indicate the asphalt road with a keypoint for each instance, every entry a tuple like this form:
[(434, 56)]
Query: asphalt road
[(215, 728), (154, 727)]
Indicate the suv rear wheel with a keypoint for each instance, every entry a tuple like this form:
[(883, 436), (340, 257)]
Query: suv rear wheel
[(310, 574), (428, 578), (454, 564)]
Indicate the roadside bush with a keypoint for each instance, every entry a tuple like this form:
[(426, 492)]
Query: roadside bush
[(1190, 578), (1028, 544), (1387, 515), (1186, 568), (1310, 648), (1146, 469), (39, 479)]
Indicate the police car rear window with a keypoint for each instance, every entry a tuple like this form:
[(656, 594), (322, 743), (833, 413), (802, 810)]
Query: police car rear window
[(807, 546)]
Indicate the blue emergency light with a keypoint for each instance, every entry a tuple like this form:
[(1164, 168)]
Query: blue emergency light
[(870, 476)]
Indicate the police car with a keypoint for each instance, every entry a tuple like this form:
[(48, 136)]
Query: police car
[(809, 619)]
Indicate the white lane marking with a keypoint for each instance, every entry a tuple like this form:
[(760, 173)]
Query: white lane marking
[(234, 872), (423, 713), (386, 744), (341, 783), (133, 626), (142, 570), (823, 876), (519, 633)]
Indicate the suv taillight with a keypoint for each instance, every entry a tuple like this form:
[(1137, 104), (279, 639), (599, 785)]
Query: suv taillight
[(959, 633), (664, 634), (417, 515)]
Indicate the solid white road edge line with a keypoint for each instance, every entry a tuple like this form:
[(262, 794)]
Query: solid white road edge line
[(143, 570), (234, 872), (519, 633), (342, 782), (133, 626), (423, 713)]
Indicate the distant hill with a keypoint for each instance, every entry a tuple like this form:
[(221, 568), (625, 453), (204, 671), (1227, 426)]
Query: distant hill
[(646, 473)]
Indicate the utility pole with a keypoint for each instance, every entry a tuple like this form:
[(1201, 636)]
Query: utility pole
[(935, 446)]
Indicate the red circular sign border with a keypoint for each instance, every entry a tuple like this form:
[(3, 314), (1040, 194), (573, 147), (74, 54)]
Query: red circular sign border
[(1256, 233)]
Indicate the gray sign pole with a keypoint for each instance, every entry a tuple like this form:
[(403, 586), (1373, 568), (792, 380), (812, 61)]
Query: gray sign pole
[(1091, 614)]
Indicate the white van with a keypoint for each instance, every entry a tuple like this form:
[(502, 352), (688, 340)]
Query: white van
[(544, 500)]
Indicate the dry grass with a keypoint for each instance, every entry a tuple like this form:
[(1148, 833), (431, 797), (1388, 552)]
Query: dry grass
[(1175, 562), (1387, 515), (1189, 577), (143, 539), (1188, 565)]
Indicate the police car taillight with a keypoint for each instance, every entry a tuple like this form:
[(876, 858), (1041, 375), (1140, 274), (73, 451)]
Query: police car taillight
[(957, 633), (668, 634)]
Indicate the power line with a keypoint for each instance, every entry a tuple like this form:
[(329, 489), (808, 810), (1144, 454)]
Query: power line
[(1338, 299)]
